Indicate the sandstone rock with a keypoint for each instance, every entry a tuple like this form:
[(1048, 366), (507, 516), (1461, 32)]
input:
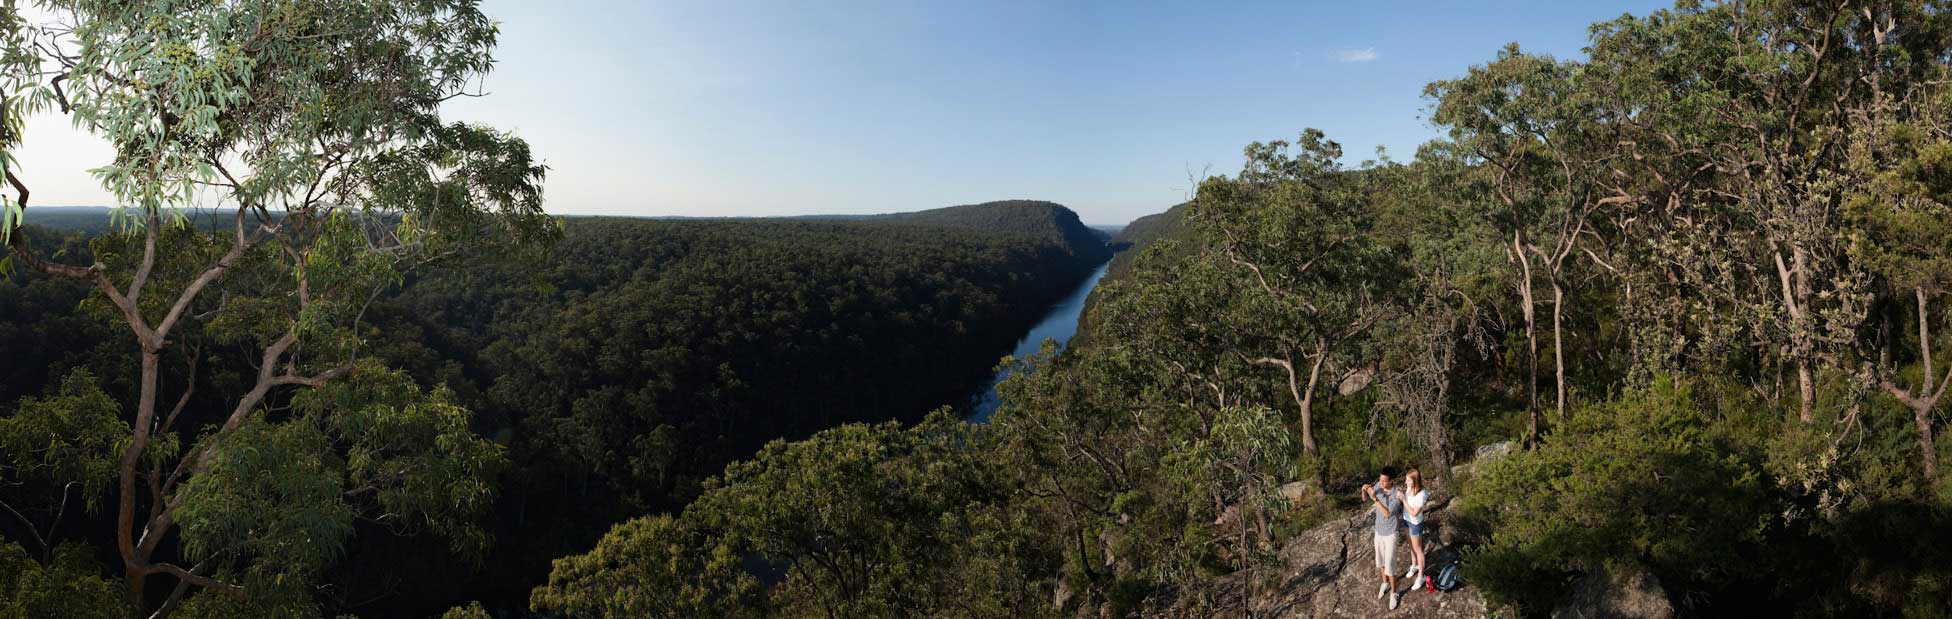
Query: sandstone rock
[(1329, 571), (1485, 454), (1301, 492), (1621, 593), (1496, 450)]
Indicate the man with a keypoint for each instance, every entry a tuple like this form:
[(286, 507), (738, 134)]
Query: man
[(1387, 501)]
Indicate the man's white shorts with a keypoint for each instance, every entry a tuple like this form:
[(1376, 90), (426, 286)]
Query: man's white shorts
[(1386, 553)]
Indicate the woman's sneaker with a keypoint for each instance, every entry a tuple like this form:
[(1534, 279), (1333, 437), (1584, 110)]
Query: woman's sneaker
[(1411, 574)]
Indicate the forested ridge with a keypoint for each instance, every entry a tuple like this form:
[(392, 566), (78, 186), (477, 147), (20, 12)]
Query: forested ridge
[(645, 355), (1699, 281), (1698, 278), (639, 356)]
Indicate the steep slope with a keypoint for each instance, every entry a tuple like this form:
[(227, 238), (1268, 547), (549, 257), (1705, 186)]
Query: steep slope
[(1329, 571), (1142, 233), (1152, 227), (1045, 221), (1130, 242)]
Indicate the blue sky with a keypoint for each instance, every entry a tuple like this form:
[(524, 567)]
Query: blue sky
[(739, 108)]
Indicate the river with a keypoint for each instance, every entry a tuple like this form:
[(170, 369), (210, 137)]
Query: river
[(1060, 324)]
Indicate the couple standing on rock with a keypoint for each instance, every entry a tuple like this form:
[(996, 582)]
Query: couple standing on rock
[(1394, 505)]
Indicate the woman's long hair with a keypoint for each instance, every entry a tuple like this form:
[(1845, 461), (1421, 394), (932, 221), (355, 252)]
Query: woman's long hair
[(1412, 482)]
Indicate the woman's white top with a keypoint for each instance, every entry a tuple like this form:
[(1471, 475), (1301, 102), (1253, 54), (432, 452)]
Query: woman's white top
[(1415, 501)]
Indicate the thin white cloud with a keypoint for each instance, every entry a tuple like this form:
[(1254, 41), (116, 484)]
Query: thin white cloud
[(1352, 55)]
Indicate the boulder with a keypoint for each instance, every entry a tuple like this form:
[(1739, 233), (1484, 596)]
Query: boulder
[(1496, 450), (1485, 454), (1326, 571), (1622, 592), (1301, 492)]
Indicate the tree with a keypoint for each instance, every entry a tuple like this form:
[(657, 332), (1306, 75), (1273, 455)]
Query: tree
[(1294, 228), (657, 566), (856, 521), (1901, 221), (1241, 464), (67, 583), (316, 126), (56, 451), (1454, 265), (1738, 138), (1653, 476), (1523, 117)]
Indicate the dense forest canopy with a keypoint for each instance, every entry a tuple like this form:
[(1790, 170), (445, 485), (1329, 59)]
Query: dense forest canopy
[(1699, 278), (643, 356), (634, 360), (378, 379), (1700, 282)]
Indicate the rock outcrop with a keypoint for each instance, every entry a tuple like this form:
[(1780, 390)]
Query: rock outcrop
[(1485, 454), (1330, 571), (1620, 593)]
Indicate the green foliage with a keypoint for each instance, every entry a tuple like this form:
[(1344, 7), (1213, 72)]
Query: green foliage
[(316, 127), (1043, 222), (65, 586), (472, 610), (285, 604), (273, 495), (1651, 476), (655, 567), (71, 437), (279, 500), (45, 337), (863, 521), (69, 586), (1733, 216), (414, 455), (658, 351)]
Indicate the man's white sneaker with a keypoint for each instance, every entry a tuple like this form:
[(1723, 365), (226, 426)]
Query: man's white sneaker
[(1382, 591), (1393, 600)]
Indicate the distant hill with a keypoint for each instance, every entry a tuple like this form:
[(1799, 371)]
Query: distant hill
[(1126, 246), (1036, 218), (1044, 221), (93, 220), (1150, 228), (83, 219), (1142, 232)]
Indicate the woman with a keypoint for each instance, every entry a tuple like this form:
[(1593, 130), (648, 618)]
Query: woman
[(1414, 498)]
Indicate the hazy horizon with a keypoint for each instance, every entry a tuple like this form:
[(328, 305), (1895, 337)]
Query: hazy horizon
[(760, 110)]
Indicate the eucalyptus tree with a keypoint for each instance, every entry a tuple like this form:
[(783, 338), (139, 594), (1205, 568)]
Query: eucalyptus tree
[(1166, 328), (1899, 207), (1455, 276), (1242, 464), (1523, 118), (1084, 431), (1737, 117), (314, 129), (858, 520), (1294, 230), (55, 450), (1906, 240)]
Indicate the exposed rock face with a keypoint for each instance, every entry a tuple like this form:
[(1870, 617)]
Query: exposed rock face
[(1301, 492), (1330, 571), (1620, 593), (1485, 454)]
